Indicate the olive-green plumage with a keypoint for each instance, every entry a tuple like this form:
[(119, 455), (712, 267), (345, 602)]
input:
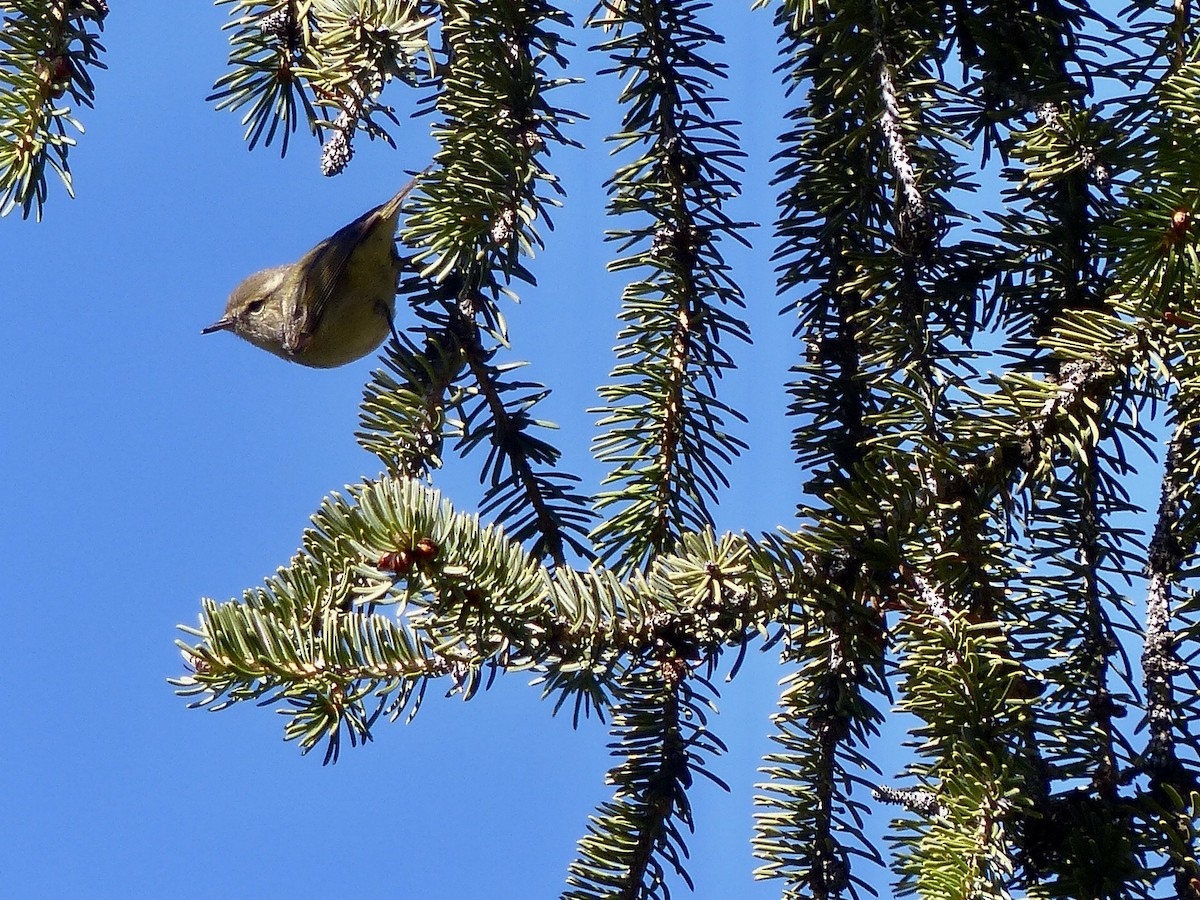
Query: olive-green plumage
[(331, 307)]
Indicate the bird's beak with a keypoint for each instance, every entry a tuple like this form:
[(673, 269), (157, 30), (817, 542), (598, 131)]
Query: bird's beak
[(222, 324)]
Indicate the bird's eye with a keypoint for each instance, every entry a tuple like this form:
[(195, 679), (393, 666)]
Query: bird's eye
[(255, 305)]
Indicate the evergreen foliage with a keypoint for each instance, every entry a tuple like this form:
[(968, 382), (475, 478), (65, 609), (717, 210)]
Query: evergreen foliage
[(46, 50), (964, 549)]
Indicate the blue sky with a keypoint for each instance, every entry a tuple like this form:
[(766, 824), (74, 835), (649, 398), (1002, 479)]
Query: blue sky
[(149, 466)]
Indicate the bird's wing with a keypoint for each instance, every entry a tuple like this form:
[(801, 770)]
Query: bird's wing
[(323, 266)]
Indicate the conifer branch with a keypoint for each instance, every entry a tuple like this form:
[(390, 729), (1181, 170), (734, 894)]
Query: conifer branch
[(665, 432), (1168, 758), (963, 537), (402, 416), (477, 213), (912, 799), (915, 211), (542, 509), (46, 50), (636, 838), (294, 60), (814, 252), (969, 755), (467, 597), (474, 218), (1160, 661), (1096, 646)]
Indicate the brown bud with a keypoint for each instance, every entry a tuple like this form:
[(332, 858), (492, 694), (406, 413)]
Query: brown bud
[(1181, 220), (398, 561)]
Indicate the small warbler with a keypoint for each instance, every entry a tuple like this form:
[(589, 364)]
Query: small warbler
[(334, 305)]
